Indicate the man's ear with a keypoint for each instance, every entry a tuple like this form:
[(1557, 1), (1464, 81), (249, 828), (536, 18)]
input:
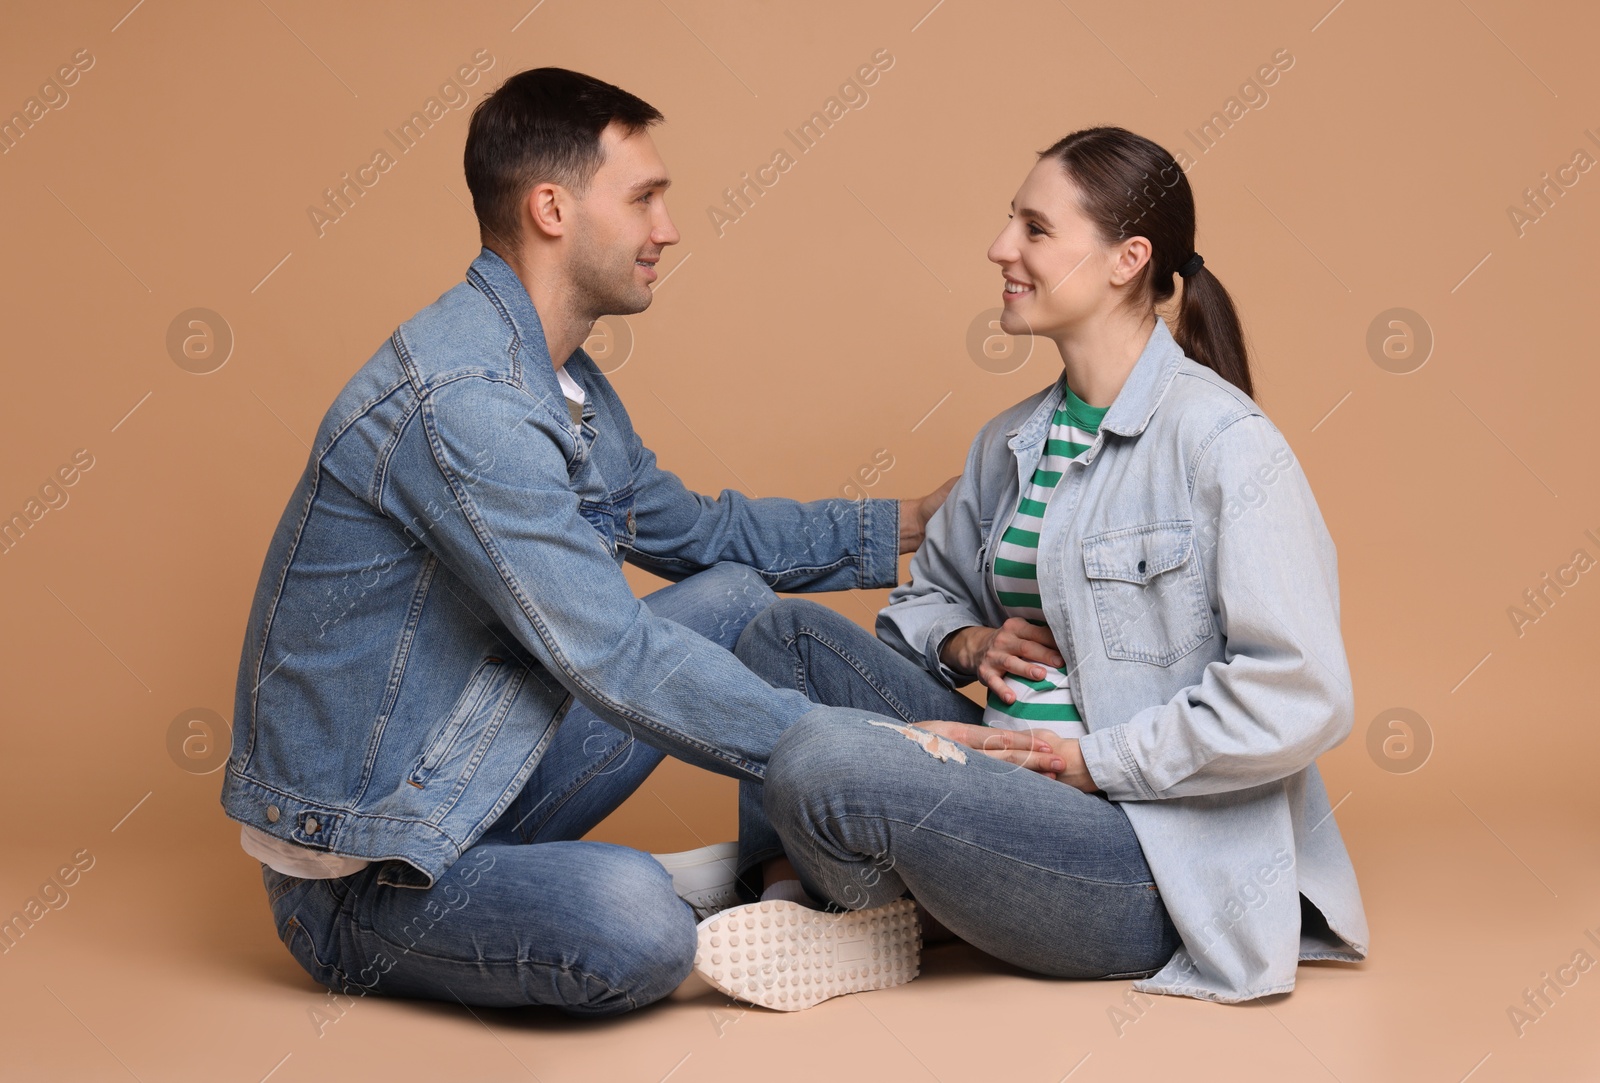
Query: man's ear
[(549, 206)]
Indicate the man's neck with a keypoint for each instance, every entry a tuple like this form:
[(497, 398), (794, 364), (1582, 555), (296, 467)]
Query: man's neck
[(564, 328)]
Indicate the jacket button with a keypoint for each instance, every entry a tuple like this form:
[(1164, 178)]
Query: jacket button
[(1141, 567), (272, 814), (312, 825)]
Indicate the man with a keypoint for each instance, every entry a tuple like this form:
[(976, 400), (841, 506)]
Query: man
[(446, 680)]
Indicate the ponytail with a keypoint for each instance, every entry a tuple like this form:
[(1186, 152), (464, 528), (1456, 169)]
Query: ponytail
[(1208, 330)]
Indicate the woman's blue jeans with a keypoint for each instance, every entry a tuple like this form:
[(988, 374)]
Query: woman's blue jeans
[(530, 915), (1030, 870)]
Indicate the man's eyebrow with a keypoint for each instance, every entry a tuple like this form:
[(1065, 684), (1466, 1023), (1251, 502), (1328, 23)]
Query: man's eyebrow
[(1043, 220), (653, 182)]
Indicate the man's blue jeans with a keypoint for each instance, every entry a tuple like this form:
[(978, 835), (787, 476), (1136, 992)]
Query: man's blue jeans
[(1031, 870), (531, 915)]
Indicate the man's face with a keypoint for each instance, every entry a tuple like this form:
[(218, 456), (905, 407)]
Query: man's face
[(621, 226)]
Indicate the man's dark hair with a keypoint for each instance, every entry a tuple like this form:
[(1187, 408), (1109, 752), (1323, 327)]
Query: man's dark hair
[(541, 125)]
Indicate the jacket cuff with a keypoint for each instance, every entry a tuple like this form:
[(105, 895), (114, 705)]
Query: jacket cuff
[(942, 630), (880, 543), (1110, 762)]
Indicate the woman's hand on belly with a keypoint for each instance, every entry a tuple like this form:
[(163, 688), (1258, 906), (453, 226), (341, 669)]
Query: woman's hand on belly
[(1017, 646)]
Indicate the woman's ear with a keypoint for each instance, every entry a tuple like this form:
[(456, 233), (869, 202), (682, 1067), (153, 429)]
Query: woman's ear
[(1132, 254)]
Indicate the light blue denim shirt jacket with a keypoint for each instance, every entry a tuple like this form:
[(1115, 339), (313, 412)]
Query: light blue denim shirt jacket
[(447, 577), (1191, 585)]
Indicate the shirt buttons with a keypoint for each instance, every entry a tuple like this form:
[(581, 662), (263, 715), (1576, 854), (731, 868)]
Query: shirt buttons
[(1141, 567), (312, 825), (272, 814)]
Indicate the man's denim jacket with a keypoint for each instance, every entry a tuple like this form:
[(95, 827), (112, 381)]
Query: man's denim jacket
[(447, 575), (1191, 585)]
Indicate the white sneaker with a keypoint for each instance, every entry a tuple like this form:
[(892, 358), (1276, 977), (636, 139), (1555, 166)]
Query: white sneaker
[(704, 878), (786, 956)]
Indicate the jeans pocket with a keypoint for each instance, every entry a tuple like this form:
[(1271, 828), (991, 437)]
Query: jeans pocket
[(308, 916), (1149, 592)]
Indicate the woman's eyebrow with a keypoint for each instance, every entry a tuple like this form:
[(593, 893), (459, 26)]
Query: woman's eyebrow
[(1029, 212)]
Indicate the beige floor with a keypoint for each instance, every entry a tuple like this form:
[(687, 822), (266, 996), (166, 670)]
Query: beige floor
[(1469, 907)]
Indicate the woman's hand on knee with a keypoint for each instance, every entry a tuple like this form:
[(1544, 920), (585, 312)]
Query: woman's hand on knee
[(1016, 647), (1027, 749), (1065, 749)]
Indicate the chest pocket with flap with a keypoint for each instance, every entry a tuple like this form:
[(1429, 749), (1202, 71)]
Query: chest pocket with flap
[(1149, 593)]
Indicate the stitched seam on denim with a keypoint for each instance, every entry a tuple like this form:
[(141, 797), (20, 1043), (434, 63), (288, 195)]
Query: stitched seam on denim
[(1046, 407), (468, 702), (1120, 649), (644, 559), (272, 612), (578, 784), (514, 349), (397, 670), (514, 787), (862, 518), (1192, 470), (1130, 766), (1141, 885), (528, 962), (1202, 993), (1139, 530), (1171, 365), (511, 648), (1105, 603), (380, 470), (514, 587), (491, 731), (288, 563), (284, 886), (352, 813), (298, 928), (865, 674)]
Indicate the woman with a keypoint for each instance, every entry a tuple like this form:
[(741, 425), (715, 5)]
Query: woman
[(1135, 567)]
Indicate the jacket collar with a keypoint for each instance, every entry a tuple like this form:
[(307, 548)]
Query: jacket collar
[(495, 279), (1148, 381), (1134, 405)]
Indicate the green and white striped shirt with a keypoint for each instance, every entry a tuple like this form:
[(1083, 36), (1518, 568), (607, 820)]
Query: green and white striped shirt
[(1046, 704)]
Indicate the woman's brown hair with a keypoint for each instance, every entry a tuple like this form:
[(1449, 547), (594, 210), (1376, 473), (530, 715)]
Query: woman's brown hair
[(1129, 186)]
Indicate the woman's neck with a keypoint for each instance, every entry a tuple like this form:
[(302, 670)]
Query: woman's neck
[(1098, 355)]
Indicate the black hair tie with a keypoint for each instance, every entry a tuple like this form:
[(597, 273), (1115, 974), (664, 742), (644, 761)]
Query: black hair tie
[(1191, 265)]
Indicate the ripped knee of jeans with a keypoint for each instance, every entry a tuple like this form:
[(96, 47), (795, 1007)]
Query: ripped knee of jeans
[(940, 748)]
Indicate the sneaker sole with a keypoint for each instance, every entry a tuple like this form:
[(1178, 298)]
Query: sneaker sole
[(788, 957)]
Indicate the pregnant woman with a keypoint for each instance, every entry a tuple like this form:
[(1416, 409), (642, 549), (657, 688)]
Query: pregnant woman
[(1134, 566)]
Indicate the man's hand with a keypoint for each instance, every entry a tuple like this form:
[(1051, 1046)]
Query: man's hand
[(1015, 647), (914, 515), (1031, 749)]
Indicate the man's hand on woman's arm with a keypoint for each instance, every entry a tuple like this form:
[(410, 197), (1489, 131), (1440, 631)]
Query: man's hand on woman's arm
[(915, 513)]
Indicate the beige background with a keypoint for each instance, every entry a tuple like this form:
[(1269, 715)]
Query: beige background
[(830, 322)]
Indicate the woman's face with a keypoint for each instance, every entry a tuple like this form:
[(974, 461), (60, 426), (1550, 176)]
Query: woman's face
[(1057, 271)]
